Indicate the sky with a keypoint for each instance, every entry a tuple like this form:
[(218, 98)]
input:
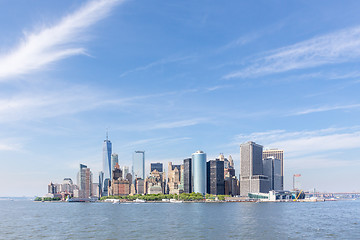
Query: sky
[(174, 77)]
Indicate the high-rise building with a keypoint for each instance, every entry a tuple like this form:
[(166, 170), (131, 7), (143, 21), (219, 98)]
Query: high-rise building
[(157, 166), (138, 165), (187, 176), (174, 178), (155, 183), (252, 179), (119, 186), (84, 181), (114, 160), (278, 154), (199, 172), (272, 169), (106, 165), (215, 177), (125, 171)]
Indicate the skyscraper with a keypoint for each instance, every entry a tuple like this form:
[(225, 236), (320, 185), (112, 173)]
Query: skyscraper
[(174, 178), (114, 161), (106, 165), (199, 172), (252, 179), (84, 181), (138, 165), (272, 169), (187, 176), (215, 177), (278, 154), (157, 166)]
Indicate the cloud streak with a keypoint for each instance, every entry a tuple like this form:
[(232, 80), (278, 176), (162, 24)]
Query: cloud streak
[(326, 109), (337, 47), (304, 143), (54, 43)]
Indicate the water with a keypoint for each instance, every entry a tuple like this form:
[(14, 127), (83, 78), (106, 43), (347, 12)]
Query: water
[(320, 220)]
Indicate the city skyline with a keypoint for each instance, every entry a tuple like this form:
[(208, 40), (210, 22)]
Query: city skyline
[(170, 78)]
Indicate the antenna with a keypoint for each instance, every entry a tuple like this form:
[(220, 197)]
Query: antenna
[(107, 134)]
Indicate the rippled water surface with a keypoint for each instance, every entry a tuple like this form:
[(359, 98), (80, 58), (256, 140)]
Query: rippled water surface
[(320, 220)]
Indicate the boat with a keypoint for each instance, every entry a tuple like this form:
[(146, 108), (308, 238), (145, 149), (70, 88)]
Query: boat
[(176, 201), (139, 200)]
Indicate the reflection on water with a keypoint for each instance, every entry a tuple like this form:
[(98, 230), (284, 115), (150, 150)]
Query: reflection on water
[(35, 220)]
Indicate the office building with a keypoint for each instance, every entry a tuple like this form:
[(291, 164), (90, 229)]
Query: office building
[(278, 154), (157, 166), (119, 186), (84, 181), (252, 179), (187, 185), (114, 160), (107, 148), (215, 177), (125, 171), (174, 178), (155, 183), (138, 167), (199, 172), (272, 169)]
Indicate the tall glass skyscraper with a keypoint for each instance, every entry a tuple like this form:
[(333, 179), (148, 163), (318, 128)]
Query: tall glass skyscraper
[(199, 172), (106, 163), (138, 165), (114, 161)]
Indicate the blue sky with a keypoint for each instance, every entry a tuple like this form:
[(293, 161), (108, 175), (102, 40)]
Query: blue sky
[(173, 77)]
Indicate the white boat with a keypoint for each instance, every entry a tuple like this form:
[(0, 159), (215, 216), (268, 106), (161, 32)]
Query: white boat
[(175, 201), (139, 200)]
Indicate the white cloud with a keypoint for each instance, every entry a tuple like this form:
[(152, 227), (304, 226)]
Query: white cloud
[(326, 109), (304, 143), (337, 47), (157, 63), (53, 43)]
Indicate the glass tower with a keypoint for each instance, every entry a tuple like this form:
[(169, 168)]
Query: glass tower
[(114, 161), (106, 163), (138, 165), (199, 172)]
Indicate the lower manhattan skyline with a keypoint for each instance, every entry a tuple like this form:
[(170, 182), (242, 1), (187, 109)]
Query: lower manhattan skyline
[(172, 78)]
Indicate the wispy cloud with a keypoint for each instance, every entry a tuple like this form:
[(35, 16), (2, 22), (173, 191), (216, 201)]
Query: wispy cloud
[(325, 109), (38, 49), (303, 143), (336, 47), (163, 61), (164, 125)]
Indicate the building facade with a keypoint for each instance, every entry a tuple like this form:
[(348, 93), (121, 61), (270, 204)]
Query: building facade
[(272, 169), (199, 172), (157, 166), (174, 179), (106, 178), (85, 181), (114, 160), (138, 167), (215, 177), (187, 182), (278, 154), (252, 179)]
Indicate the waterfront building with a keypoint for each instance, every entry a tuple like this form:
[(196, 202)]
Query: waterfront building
[(155, 183), (174, 178), (107, 148), (84, 181), (114, 160), (67, 186), (199, 172), (272, 169), (252, 179), (95, 190), (215, 177), (119, 186), (187, 185), (157, 166), (138, 167), (140, 186), (278, 154)]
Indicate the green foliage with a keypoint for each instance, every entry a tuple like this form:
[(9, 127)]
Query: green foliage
[(38, 199)]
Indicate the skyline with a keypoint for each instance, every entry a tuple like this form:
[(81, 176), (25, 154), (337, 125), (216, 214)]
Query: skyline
[(176, 77)]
